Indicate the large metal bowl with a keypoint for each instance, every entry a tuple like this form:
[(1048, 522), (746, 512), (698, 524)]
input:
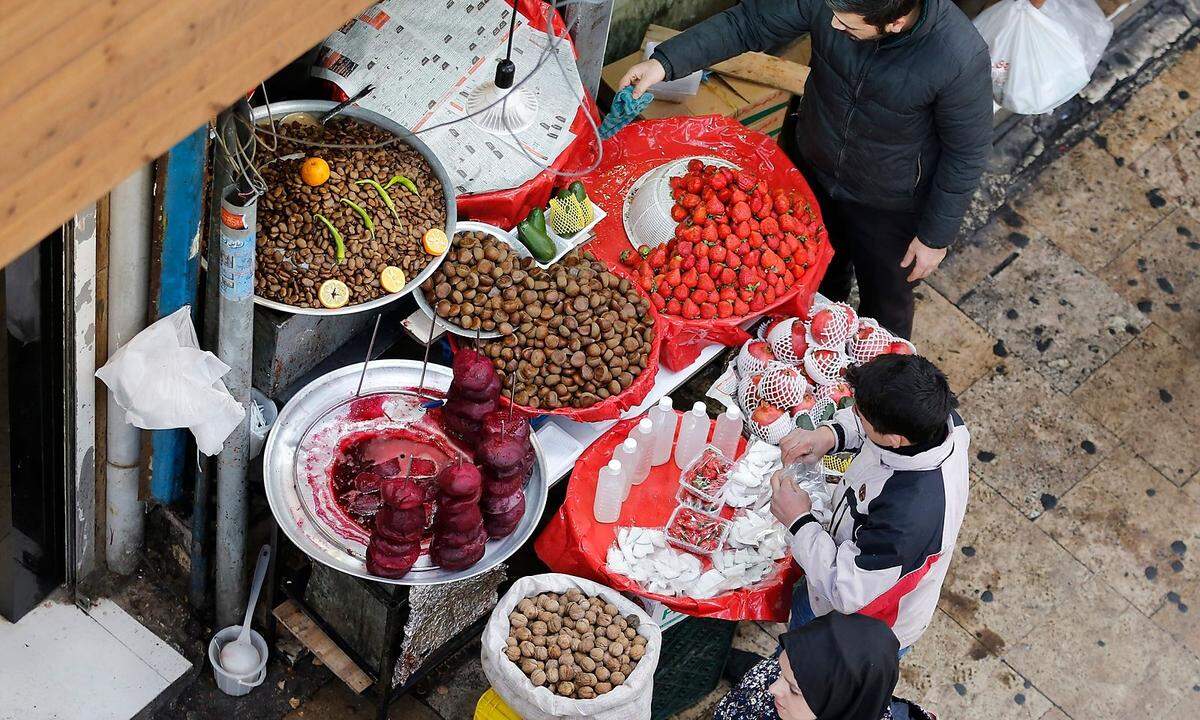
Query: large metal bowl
[(310, 110), (318, 540)]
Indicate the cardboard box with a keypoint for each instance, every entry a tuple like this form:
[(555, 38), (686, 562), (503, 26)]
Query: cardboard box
[(758, 107)]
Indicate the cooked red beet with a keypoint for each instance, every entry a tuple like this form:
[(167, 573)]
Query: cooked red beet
[(459, 505), (499, 504), (502, 454), (505, 423), (471, 410), (458, 539), (364, 504), (403, 493), (400, 525), (490, 392), (457, 558), (367, 408), (472, 370), (493, 486), (459, 480), (391, 560), (367, 482), (460, 426), (502, 524), (457, 521)]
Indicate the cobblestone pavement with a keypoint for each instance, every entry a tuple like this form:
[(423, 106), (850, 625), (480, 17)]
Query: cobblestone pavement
[(1067, 325)]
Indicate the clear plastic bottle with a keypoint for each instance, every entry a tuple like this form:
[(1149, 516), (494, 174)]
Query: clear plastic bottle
[(610, 486), (693, 435), (728, 432), (627, 453), (664, 419), (644, 434)]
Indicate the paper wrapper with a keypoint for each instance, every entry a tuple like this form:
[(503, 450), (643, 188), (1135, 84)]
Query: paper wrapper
[(575, 543)]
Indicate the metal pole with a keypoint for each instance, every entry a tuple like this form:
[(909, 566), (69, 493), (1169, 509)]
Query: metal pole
[(235, 348), (129, 256), (591, 21)]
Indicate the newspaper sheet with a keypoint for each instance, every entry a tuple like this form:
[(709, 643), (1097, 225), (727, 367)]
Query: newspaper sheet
[(424, 58)]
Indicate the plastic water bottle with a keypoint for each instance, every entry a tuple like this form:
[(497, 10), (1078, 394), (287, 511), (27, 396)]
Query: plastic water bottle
[(644, 434), (693, 434), (664, 419), (610, 487), (728, 432), (627, 454)]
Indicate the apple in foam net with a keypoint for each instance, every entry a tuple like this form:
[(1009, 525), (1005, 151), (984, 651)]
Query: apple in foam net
[(765, 414), (840, 393), (760, 351), (824, 326), (799, 339), (806, 403)]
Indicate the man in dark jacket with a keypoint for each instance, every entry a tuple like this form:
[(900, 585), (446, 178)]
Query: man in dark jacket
[(892, 133)]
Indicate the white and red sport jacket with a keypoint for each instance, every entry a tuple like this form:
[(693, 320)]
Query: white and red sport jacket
[(884, 549)]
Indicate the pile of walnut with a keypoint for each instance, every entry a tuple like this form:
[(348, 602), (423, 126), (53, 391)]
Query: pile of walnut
[(574, 645)]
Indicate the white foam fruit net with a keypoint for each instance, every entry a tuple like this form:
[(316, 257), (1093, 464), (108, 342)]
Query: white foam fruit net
[(754, 357), (780, 340), (782, 386), (868, 342), (837, 330), (825, 365), (647, 209)]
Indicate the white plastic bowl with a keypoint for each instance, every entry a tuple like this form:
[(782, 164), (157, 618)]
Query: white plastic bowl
[(236, 685)]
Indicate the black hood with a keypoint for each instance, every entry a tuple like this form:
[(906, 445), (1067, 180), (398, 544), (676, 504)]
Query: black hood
[(845, 665)]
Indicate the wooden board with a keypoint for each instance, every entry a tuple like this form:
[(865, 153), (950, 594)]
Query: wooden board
[(94, 90), (753, 66), (314, 638)]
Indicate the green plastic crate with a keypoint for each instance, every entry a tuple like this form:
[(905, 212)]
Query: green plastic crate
[(691, 663)]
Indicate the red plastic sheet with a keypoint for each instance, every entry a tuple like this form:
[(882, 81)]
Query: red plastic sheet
[(506, 208), (576, 544), (612, 407), (645, 145)]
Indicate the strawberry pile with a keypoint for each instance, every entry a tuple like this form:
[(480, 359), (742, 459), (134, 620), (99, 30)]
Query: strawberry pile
[(739, 246)]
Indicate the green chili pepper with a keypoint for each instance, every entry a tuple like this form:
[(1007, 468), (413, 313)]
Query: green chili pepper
[(387, 199), (337, 237), (362, 213), (400, 179)]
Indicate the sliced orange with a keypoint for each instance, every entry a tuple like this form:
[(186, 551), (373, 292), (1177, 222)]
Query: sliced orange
[(435, 241), (392, 279), (314, 171), (333, 294)]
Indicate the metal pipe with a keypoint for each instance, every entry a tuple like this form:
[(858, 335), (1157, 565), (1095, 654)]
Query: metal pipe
[(128, 267), (235, 347)]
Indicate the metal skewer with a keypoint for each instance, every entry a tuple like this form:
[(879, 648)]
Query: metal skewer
[(421, 390), (340, 107), (370, 348)]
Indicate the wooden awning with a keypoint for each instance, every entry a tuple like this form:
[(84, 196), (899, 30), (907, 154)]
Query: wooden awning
[(92, 90)]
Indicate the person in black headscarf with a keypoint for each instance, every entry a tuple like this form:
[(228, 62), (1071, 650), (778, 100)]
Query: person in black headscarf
[(839, 667)]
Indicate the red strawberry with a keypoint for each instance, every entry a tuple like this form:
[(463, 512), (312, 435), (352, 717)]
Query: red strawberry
[(728, 292), (747, 276), (678, 213), (734, 261), (699, 296), (724, 309), (689, 262), (658, 257), (691, 310), (773, 242), (753, 259), (740, 307), (679, 292), (715, 270), (684, 248), (673, 278), (740, 212), (723, 229), (769, 226), (690, 201), (717, 253), (719, 181), (742, 230), (707, 194), (699, 216), (702, 265), (673, 307), (788, 223), (724, 195), (738, 196), (746, 294), (700, 249), (746, 181), (732, 243), (757, 304), (709, 234), (769, 295), (676, 182), (706, 283), (659, 301), (694, 185), (715, 207), (728, 275), (708, 310), (756, 205), (689, 278), (756, 239), (695, 165)]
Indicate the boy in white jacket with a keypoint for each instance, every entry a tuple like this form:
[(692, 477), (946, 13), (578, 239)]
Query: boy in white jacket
[(884, 548)]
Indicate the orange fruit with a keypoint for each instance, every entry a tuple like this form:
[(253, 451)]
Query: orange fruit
[(392, 279), (435, 241), (333, 294), (314, 171)]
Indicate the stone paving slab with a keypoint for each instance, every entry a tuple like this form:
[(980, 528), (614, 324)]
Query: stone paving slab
[(458, 686), (1005, 571), (1089, 205), (1054, 314), (1171, 167), (1128, 523), (1029, 442), (951, 339), (952, 674), (336, 701), (703, 710), (1151, 113), (971, 259), (1149, 396), (1098, 658), (1160, 275)]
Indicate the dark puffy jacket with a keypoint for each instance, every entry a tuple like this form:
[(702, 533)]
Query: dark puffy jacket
[(904, 123)]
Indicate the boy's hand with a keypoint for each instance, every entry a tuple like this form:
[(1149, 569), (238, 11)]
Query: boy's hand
[(642, 76), (788, 501), (807, 446)]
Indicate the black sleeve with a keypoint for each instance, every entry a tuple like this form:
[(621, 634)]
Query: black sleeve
[(963, 120), (749, 25)]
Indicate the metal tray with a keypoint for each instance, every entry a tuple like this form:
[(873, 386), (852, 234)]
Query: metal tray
[(291, 110), (423, 303), (315, 538)]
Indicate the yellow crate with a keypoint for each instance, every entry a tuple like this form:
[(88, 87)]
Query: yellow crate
[(491, 707)]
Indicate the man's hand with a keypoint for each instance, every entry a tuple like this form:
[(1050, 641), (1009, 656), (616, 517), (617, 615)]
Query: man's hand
[(642, 76), (807, 446), (788, 501), (923, 258)]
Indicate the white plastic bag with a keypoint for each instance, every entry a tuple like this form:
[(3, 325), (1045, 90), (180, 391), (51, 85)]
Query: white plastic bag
[(628, 701), (162, 379), (1085, 21), (1037, 64)]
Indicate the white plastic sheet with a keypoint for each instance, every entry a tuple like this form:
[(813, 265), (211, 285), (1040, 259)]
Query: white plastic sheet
[(1037, 63), (162, 379)]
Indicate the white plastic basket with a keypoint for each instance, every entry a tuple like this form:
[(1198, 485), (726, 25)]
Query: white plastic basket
[(647, 209)]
